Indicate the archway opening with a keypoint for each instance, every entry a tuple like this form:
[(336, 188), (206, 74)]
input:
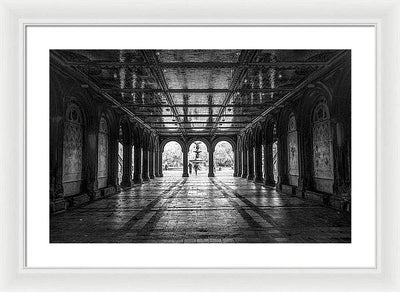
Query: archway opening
[(172, 159), (275, 160), (224, 159), (262, 161), (120, 161), (198, 159)]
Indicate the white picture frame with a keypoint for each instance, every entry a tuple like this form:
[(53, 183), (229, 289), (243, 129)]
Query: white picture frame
[(15, 16)]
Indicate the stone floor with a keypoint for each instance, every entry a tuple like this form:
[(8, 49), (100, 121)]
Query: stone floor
[(199, 209)]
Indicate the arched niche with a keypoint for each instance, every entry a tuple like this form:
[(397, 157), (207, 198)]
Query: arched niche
[(292, 151), (103, 153), (322, 148), (223, 139), (73, 144)]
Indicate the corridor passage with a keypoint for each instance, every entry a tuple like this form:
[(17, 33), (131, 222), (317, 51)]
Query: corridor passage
[(200, 209)]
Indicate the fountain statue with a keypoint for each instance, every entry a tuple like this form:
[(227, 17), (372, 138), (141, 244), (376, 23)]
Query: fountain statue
[(197, 159)]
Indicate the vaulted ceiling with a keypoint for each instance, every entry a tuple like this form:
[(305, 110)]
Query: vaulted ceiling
[(196, 92)]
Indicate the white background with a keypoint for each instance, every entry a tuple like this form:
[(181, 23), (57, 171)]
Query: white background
[(361, 253)]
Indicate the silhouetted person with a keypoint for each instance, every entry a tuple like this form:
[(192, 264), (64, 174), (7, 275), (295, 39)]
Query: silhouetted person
[(190, 168), (196, 168)]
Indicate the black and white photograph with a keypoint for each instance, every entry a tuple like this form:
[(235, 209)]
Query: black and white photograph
[(200, 146)]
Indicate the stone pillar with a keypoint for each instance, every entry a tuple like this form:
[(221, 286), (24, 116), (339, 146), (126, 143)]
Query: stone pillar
[(239, 159), (127, 166), (91, 163), (268, 165), (185, 163), (250, 164), (211, 163), (156, 167), (57, 201), (258, 164), (160, 164), (235, 166), (137, 174), (244, 163), (151, 164), (145, 169), (113, 162)]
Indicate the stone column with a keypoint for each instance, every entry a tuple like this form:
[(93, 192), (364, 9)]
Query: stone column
[(57, 201), (185, 163), (250, 163), (91, 162), (127, 166), (145, 169), (258, 163), (151, 164), (156, 167), (113, 162), (244, 163), (160, 164), (211, 163), (235, 166), (137, 174), (239, 159), (268, 165)]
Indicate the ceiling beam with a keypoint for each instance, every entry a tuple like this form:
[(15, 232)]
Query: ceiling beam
[(85, 80), (195, 65), (194, 115), (246, 57), (335, 61), (221, 122), (209, 90), (151, 59), (135, 105)]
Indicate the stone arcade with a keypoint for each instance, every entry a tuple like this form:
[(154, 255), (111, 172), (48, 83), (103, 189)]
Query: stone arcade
[(286, 114)]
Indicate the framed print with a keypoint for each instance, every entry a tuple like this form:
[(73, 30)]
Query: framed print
[(151, 125), (199, 154)]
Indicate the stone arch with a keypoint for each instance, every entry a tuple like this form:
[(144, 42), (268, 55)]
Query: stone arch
[(322, 150), (137, 136), (73, 149), (310, 99), (113, 138), (270, 129), (124, 130), (103, 143), (239, 143), (223, 139), (257, 134), (288, 165), (249, 138), (270, 143), (165, 141), (231, 142), (146, 139), (192, 140)]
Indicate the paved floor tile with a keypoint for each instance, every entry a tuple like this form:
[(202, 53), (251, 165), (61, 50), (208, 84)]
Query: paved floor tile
[(201, 210)]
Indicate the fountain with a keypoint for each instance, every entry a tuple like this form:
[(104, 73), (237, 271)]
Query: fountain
[(197, 159)]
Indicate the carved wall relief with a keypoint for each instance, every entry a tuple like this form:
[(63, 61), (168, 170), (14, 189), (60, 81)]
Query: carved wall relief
[(293, 161), (322, 148), (72, 150), (102, 165)]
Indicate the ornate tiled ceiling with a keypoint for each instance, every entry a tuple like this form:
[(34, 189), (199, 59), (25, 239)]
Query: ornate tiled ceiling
[(195, 92)]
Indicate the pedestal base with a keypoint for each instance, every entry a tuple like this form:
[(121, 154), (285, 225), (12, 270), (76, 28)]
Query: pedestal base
[(58, 206)]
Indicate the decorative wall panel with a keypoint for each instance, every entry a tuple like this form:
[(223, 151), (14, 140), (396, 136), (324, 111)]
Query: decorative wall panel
[(120, 161), (292, 145), (72, 151), (322, 149), (102, 167)]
